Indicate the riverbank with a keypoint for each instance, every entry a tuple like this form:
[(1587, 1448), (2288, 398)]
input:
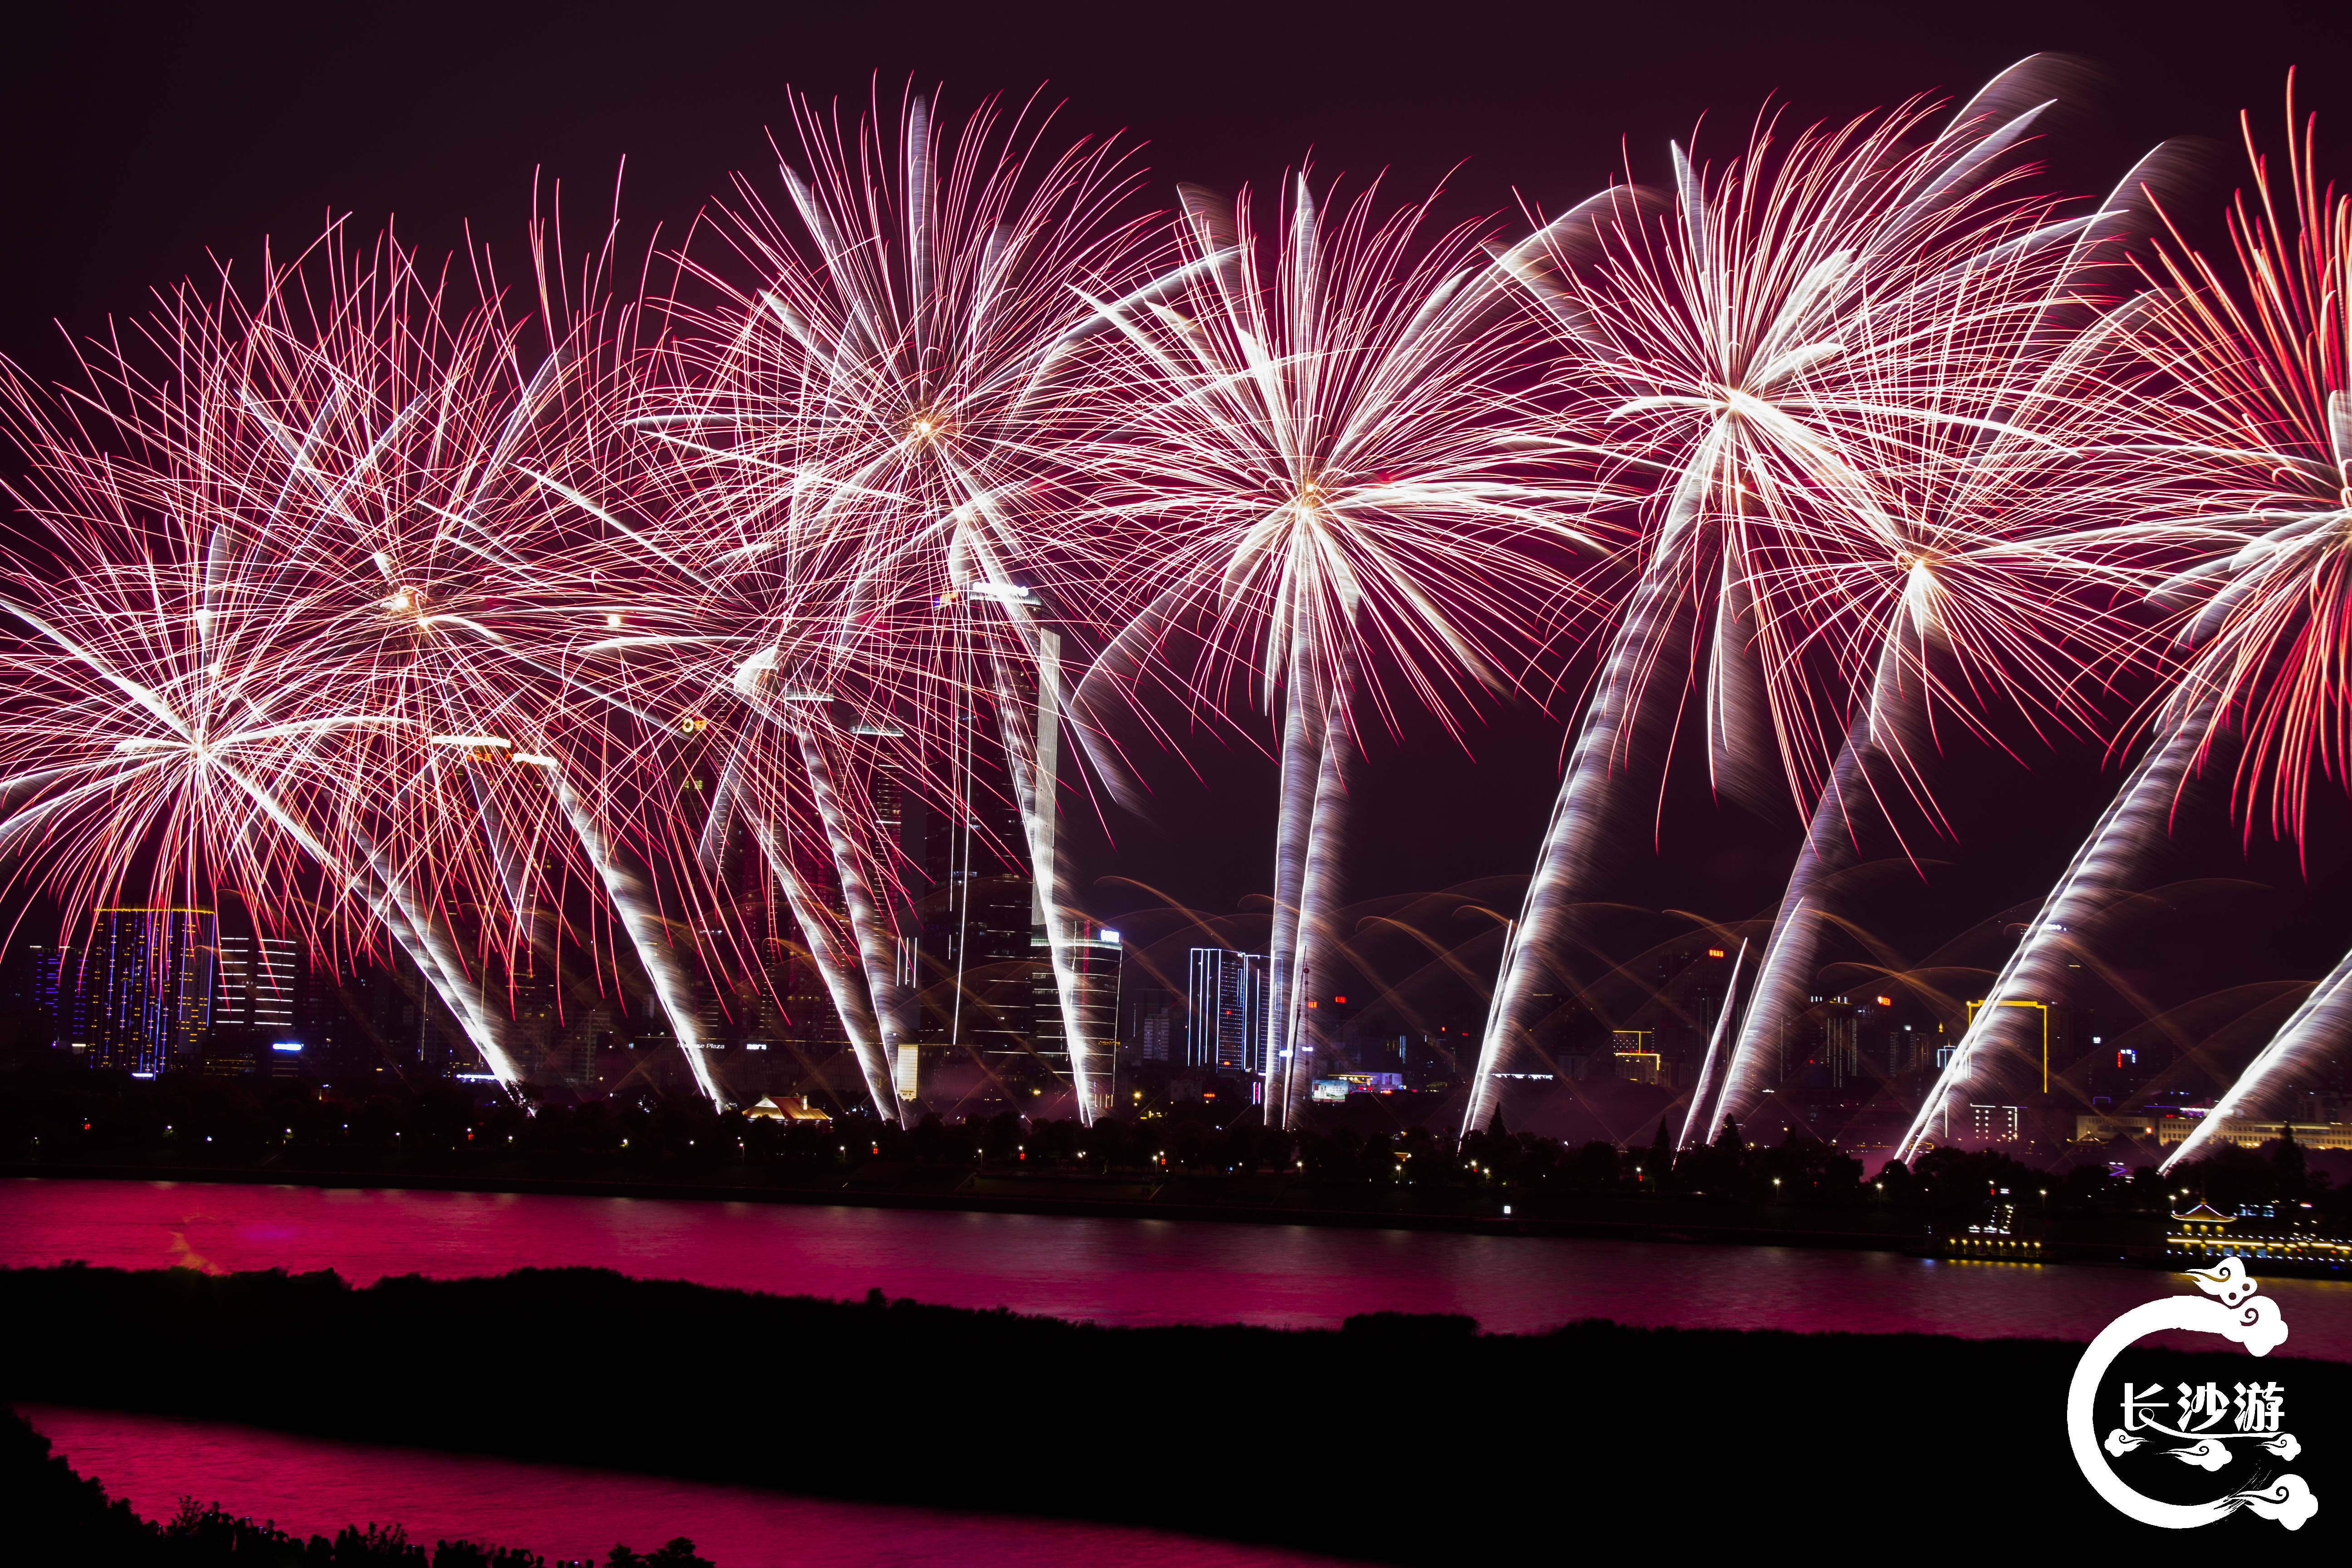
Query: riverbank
[(1245, 1199), (1401, 1439)]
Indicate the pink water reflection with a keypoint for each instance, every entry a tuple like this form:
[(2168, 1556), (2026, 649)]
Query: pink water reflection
[(1107, 1270), (313, 1486)]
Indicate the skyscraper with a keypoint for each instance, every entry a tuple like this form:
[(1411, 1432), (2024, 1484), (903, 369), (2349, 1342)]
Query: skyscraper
[(1146, 1017), (1226, 992), (1095, 966), (143, 988), (256, 1007), (259, 982)]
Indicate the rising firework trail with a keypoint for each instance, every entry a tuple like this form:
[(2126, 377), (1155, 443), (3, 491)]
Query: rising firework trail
[(2304, 1044), (2105, 871), (1736, 339), (1323, 452), (877, 944), (825, 953), (1695, 1123), (632, 901)]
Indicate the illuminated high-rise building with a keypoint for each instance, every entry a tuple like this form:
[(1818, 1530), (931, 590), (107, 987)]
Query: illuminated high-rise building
[(1226, 993), (1094, 964), (142, 989), (257, 983), (257, 1009)]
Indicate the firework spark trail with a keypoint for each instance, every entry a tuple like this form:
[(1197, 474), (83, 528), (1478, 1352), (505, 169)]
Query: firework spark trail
[(876, 947), (399, 918), (423, 933), (417, 933), (1320, 887), (2105, 870), (1309, 825), (1792, 953), (1780, 311), (817, 940), (1306, 725), (789, 747), (632, 899), (1031, 738), (511, 857), (781, 781), (1329, 474), (1589, 808), (1031, 753)]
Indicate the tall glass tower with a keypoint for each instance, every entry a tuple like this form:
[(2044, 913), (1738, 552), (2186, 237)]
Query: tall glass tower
[(1226, 992)]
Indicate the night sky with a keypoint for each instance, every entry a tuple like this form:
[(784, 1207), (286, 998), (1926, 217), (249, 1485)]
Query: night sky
[(137, 141)]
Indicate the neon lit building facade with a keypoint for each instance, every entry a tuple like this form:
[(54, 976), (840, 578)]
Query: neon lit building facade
[(143, 1001)]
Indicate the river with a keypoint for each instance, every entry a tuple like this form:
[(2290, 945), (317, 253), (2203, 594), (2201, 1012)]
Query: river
[(1105, 1270)]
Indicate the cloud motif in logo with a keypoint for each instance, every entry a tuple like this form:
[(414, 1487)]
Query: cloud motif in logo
[(2286, 1500), (2120, 1442), (2226, 1280), (2205, 1454), (2283, 1445)]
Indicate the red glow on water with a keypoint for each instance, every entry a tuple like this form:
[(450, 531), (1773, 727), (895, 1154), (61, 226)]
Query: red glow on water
[(1105, 1270)]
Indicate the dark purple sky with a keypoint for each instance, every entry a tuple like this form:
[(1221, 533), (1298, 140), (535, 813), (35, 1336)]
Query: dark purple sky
[(133, 139)]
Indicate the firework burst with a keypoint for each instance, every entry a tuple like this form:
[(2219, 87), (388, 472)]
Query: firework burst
[(867, 423), (2252, 382), (1323, 457), (1743, 341)]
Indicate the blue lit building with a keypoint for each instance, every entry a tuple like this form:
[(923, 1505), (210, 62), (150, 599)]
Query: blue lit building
[(143, 989)]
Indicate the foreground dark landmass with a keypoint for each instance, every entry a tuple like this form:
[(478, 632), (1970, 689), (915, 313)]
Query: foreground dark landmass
[(1399, 1439), (55, 1515)]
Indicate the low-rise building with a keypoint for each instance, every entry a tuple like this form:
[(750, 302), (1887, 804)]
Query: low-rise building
[(788, 1108)]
